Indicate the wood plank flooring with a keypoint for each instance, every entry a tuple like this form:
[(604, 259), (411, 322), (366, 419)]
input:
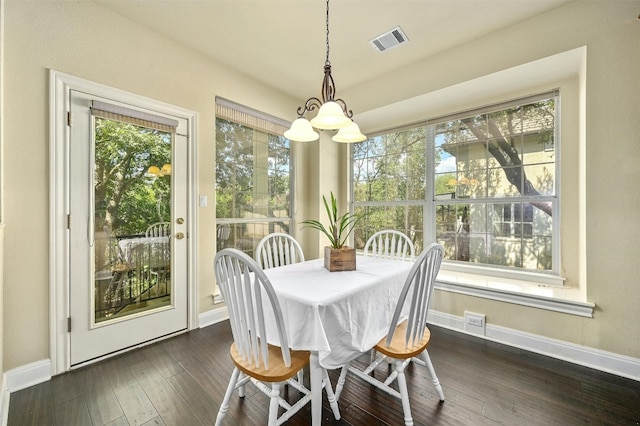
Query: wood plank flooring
[(181, 381)]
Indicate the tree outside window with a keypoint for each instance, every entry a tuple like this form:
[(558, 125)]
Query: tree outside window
[(253, 196), (493, 174)]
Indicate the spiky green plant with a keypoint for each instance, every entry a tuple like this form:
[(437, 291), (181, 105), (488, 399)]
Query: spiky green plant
[(339, 226)]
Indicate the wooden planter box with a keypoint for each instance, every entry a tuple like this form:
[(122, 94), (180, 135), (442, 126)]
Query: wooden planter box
[(343, 259)]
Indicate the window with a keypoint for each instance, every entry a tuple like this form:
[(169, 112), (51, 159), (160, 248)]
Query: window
[(481, 183), (389, 184), (253, 176)]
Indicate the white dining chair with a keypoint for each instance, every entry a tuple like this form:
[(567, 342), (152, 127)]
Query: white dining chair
[(246, 291), (390, 244), (407, 339), (158, 229), (278, 249)]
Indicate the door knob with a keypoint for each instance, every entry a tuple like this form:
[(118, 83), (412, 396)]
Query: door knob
[(179, 221), (180, 235)]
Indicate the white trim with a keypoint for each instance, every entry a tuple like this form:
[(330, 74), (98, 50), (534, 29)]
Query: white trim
[(213, 316), (508, 275), (60, 85), (566, 306), (597, 359), (4, 405), (28, 375)]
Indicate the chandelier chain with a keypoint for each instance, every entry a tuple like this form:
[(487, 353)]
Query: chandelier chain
[(327, 22), (333, 113)]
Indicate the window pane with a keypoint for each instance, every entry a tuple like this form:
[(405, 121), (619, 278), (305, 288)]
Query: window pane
[(245, 236), (452, 230), (407, 219), (506, 154), (252, 172), (390, 167), (253, 184)]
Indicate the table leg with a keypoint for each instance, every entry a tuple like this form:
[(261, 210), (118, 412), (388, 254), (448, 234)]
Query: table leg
[(315, 372)]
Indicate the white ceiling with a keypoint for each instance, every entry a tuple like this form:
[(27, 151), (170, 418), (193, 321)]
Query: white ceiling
[(282, 42)]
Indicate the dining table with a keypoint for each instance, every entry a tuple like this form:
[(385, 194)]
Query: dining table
[(336, 316), (127, 245)]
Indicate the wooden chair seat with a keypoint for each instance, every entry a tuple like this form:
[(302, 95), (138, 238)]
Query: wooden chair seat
[(278, 371), (398, 348)]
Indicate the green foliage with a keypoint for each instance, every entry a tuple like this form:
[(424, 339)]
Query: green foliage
[(252, 172), (443, 185), (127, 200), (386, 169), (339, 226)]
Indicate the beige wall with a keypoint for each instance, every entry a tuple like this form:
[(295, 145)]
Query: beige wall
[(2, 23), (58, 35), (87, 41), (603, 189)]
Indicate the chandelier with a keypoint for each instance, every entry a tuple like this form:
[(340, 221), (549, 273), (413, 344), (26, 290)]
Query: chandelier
[(333, 113)]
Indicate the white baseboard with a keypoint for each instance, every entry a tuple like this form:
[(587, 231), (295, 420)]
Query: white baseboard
[(597, 359), (21, 378), (213, 316), (28, 375)]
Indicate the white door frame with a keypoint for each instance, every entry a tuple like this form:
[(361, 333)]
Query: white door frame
[(60, 85)]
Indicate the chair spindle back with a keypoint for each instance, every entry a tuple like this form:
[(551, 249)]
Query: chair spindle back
[(419, 287), (245, 289)]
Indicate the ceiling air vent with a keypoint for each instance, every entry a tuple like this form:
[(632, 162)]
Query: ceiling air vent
[(391, 38)]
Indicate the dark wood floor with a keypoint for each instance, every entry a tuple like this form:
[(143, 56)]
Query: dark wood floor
[(181, 381)]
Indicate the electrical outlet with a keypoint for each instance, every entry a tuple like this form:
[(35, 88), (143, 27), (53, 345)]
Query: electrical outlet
[(472, 320), (474, 323)]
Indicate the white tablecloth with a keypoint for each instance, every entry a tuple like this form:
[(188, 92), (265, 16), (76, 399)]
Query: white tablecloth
[(337, 314), (128, 244)]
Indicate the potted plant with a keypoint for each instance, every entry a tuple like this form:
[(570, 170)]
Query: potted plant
[(337, 256)]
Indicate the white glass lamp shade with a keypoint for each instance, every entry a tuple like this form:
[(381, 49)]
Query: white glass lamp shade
[(349, 134), (301, 131), (331, 117)]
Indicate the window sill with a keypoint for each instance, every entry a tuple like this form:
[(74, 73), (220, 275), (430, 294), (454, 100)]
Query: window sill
[(520, 292)]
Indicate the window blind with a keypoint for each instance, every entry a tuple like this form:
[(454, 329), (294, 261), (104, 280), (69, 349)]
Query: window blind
[(250, 117), (131, 116)]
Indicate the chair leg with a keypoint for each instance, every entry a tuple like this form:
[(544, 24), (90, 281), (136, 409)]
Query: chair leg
[(274, 404), (241, 386), (227, 396), (432, 372), (333, 400), (341, 379), (404, 393)]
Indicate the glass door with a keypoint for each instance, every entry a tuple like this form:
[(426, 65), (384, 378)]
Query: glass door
[(128, 260), (132, 205)]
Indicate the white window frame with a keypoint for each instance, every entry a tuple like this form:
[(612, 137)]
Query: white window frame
[(431, 201), (549, 278)]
